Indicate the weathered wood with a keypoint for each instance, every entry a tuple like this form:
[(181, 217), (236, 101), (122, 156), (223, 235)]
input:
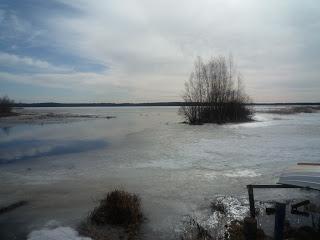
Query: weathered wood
[(272, 186), (251, 201), (279, 221), (300, 204), (250, 228), (250, 188), (294, 208), (309, 164)]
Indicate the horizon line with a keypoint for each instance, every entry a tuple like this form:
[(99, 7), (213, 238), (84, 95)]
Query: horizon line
[(110, 104)]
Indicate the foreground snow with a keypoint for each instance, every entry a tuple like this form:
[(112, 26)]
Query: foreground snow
[(56, 233)]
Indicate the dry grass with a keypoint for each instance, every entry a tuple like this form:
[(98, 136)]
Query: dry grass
[(118, 208), (194, 231), (301, 233), (235, 231), (218, 206), (95, 232), (118, 215)]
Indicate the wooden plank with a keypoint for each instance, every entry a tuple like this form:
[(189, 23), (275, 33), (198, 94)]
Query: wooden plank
[(279, 221), (250, 188), (272, 186), (251, 201), (309, 164)]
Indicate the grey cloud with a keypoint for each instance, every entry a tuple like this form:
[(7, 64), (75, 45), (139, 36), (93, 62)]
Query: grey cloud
[(154, 43)]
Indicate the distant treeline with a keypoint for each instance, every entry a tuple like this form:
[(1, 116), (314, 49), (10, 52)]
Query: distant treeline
[(152, 104), (53, 104)]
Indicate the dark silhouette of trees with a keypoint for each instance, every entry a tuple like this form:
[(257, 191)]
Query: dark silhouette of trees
[(6, 105), (214, 93)]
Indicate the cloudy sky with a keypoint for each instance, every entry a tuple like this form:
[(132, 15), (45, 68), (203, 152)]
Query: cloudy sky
[(143, 50)]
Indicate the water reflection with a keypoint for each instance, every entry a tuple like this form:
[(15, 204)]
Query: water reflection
[(17, 150), (6, 130)]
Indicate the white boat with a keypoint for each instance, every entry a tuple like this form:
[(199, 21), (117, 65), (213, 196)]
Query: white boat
[(306, 175)]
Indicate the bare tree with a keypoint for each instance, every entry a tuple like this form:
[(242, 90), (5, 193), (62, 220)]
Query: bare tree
[(214, 93)]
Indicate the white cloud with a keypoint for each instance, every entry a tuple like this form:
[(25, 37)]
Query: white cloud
[(16, 61), (149, 46), (152, 43)]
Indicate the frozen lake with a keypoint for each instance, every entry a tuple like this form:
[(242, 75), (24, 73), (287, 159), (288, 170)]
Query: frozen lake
[(62, 169)]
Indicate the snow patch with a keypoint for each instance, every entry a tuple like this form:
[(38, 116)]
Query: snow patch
[(241, 173), (214, 222), (56, 233)]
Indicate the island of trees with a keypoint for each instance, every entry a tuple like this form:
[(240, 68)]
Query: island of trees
[(214, 94)]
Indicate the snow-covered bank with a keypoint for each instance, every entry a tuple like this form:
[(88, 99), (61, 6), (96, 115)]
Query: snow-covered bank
[(56, 232)]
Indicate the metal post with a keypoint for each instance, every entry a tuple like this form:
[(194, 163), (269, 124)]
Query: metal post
[(251, 201), (279, 221)]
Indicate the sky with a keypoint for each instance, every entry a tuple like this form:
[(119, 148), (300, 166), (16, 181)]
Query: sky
[(144, 50)]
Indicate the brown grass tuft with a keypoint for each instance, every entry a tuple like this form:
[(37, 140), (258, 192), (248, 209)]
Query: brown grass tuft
[(118, 208), (235, 231), (118, 215)]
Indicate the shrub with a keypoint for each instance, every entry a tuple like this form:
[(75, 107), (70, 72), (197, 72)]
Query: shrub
[(214, 94), (118, 213), (118, 208), (6, 105), (95, 232)]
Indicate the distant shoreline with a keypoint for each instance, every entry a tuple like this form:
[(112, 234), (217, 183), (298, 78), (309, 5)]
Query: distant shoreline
[(152, 104)]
